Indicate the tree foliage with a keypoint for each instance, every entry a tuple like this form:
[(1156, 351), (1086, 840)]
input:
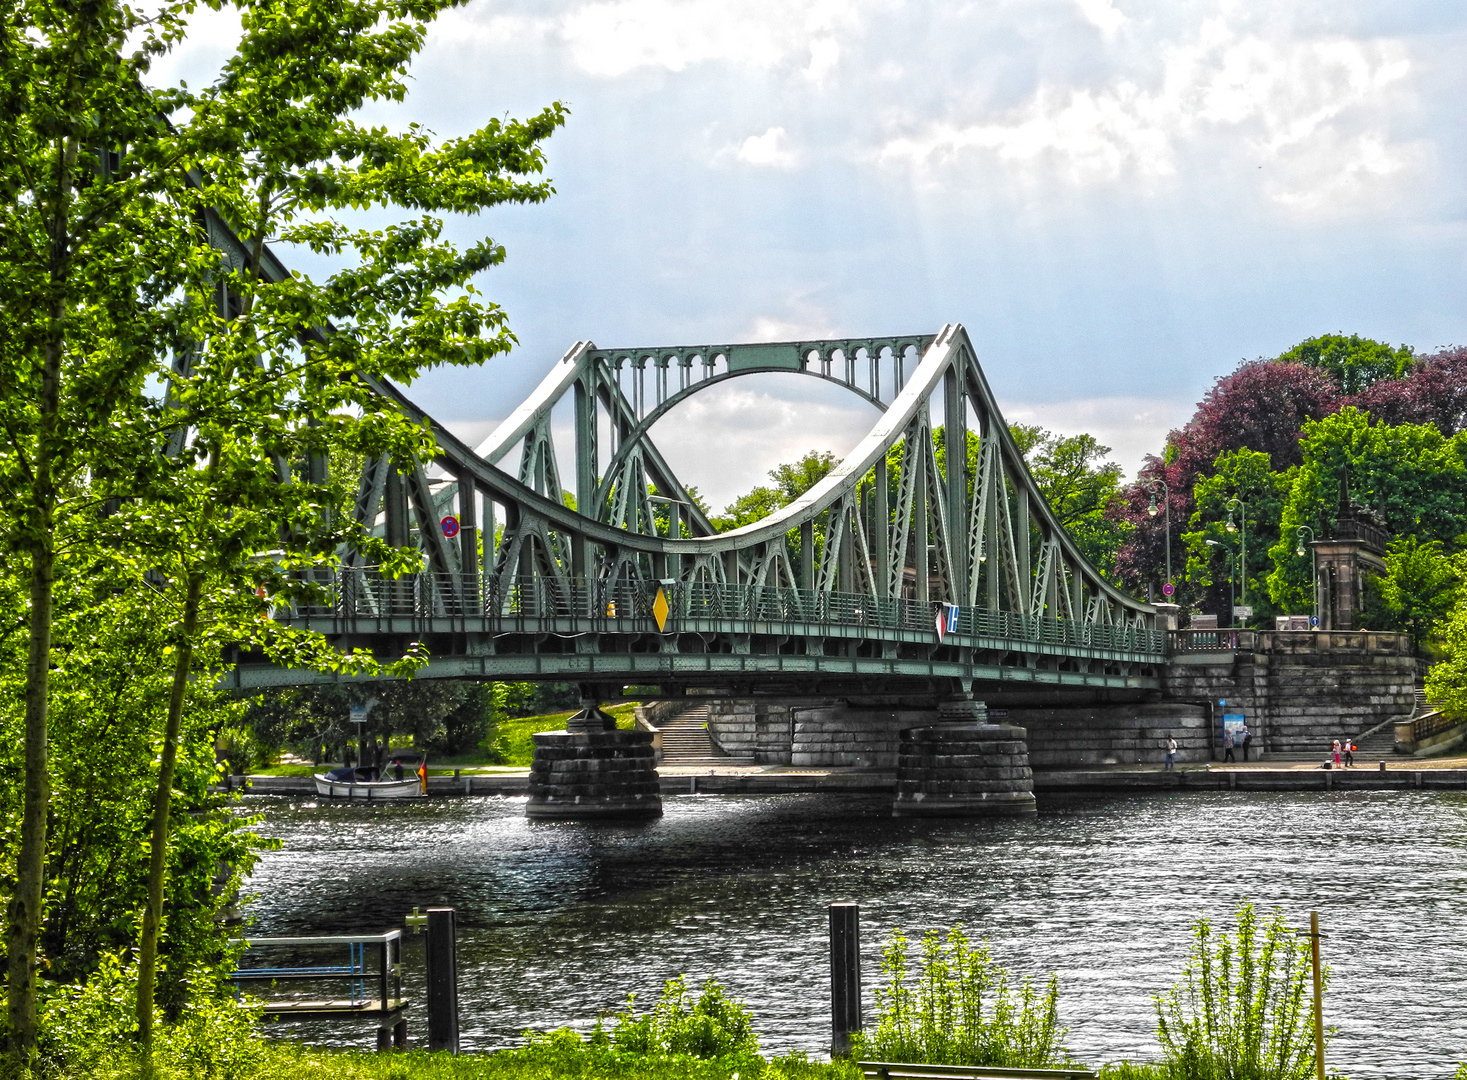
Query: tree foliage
[(788, 482), (1353, 363), (111, 283), (1246, 476), (1081, 487)]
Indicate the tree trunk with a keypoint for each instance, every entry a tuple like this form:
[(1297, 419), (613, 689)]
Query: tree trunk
[(162, 806), (23, 922)]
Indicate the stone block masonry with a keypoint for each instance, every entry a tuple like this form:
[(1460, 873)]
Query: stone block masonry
[(593, 774), (1301, 691)]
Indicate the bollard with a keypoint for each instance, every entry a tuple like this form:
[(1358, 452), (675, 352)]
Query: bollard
[(845, 976), (1382, 766), (442, 980)]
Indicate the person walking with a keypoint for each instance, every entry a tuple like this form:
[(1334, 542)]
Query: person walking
[(1171, 752), (1349, 753), (1228, 748)]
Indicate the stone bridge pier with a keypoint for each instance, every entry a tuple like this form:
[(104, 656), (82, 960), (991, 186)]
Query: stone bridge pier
[(1298, 691)]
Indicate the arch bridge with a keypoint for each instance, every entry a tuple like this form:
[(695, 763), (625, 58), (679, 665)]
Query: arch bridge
[(602, 569)]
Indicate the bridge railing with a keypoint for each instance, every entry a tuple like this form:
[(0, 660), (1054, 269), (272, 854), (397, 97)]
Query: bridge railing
[(366, 594)]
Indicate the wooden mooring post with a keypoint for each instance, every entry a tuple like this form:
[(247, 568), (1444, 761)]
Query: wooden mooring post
[(442, 950), (1318, 996), (845, 976)]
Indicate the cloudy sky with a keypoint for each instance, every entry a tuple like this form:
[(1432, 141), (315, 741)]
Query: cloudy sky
[(1118, 198)]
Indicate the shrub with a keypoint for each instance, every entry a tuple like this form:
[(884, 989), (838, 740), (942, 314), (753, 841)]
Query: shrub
[(713, 1026), (1241, 1011), (942, 1021), (89, 1031)]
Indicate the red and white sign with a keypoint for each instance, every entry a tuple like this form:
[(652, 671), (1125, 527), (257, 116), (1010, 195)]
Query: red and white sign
[(449, 525)]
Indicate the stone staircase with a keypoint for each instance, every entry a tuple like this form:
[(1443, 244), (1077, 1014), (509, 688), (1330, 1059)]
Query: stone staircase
[(685, 739)]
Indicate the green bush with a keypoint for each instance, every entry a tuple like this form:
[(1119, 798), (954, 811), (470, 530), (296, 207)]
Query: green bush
[(89, 1031), (713, 1026), (962, 1011), (1241, 1011)]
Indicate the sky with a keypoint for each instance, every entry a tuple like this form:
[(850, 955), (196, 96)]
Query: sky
[(1119, 200)]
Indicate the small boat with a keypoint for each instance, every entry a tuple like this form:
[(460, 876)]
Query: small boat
[(365, 782)]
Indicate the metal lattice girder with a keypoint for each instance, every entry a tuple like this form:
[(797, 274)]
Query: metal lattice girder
[(845, 534), (936, 532)]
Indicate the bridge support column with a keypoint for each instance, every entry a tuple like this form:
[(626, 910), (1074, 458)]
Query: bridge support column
[(592, 770), (965, 767)]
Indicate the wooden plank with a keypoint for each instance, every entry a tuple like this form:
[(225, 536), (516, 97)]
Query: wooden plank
[(363, 1006), (892, 1070)]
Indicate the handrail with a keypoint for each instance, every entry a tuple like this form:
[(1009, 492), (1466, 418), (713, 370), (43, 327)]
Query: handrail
[(626, 605), (388, 975)]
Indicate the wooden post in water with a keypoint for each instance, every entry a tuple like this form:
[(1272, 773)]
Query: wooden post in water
[(845, 976), (442, 980), (1318, 996)]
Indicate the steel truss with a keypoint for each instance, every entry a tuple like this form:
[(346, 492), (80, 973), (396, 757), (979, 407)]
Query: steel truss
[(840, 588)]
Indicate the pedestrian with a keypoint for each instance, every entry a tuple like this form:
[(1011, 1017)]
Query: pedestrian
[(1171, 752), (1228, 748), (1246, 738), (1349, 754), (1337, 753)]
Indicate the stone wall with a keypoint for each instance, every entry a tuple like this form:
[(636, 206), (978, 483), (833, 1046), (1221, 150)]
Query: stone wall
[(831, 733), (1075, 737), (1301, 691)]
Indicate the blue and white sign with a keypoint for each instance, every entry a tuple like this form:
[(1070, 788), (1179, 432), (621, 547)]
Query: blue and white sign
[(1233, 724), (1314, 622), (947, 620)]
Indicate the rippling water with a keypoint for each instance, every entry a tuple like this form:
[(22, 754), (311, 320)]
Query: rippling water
[(558, 922)]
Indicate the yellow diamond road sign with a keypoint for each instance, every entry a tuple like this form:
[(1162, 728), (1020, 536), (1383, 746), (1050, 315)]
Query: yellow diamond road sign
[(659, 609)]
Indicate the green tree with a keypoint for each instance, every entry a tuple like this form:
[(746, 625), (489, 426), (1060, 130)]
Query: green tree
[(1352, 362), (790, 481), (1420, 587), (1082, 488), (109, 280), (1247, 476), (1411, 475)]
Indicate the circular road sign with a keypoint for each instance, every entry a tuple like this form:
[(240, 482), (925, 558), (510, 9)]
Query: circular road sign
[(1168, 589), (449, 525)]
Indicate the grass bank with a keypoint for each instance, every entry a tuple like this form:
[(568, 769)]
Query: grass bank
[(552, 1059), (515, 733)]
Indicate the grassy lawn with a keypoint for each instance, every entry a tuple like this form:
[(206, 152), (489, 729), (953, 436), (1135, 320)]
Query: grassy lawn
[(517, 731)]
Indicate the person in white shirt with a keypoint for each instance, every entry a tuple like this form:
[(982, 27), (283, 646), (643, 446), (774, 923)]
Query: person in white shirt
[(1171, 752)]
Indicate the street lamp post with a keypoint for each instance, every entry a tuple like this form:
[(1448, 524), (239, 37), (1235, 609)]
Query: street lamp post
[(1239, 505), (1167, 507), (1228, 554), (1314, 568)]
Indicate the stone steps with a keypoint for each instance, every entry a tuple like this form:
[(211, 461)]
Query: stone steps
[(685, 739)]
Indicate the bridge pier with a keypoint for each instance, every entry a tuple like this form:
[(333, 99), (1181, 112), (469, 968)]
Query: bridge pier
[(591, 770), (963, 766)]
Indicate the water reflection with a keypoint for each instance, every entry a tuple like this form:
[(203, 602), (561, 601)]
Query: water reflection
[(559, 921)]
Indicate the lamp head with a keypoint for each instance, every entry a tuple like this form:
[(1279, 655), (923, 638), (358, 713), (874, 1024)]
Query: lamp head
[(1299, 550), (1231, 526)]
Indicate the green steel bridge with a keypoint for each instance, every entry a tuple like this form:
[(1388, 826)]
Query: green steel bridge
[(839, 593)]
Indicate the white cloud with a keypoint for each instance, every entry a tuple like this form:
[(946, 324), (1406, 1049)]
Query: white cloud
[(726, 439), (1131, 426), (1312, 105), (617, 36), (1102, 14), (769, 150)]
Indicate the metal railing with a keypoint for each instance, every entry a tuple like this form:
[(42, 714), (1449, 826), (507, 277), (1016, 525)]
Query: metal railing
[(628, 605), (387, 974), (1433, 723), (1288, 641)]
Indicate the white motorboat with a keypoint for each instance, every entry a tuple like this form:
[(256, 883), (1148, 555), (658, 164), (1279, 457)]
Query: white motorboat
[(367, 783)]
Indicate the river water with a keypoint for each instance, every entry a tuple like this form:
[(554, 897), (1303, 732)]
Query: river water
[(558, 922)]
